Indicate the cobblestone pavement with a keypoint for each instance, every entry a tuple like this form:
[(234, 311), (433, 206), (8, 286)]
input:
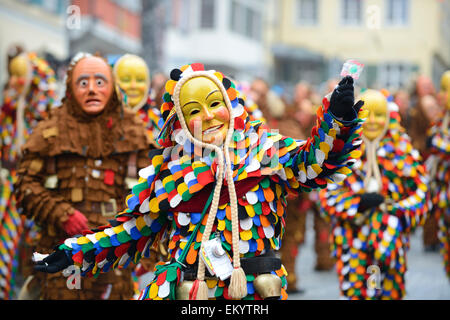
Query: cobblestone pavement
[(425, 278)]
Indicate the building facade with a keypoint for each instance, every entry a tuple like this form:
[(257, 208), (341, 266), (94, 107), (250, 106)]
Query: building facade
[(227, 35), (110, 27), (35, 25), (395, 39)]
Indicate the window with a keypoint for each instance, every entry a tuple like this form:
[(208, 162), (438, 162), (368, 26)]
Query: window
[(249, 22), (245, 21), (307, 12), (393, 75), (207, 14), (180, 15), (397, 12), (351, 12)]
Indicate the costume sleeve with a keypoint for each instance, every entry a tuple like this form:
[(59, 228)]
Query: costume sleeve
[(126, 238), (40, 204), (414, 201), (440, 142), (325, 157), (339, 201)]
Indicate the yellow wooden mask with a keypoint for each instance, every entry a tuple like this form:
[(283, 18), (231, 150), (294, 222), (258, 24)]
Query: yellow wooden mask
[(204, 110), (376, 104), (20, 69), (133, 78)]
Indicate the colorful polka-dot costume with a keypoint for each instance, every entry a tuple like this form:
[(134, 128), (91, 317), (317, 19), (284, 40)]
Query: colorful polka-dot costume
[(38, 101), (380, 242), (440, 149), (172, 191)]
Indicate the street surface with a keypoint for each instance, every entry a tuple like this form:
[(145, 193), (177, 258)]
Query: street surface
[(425, 278)]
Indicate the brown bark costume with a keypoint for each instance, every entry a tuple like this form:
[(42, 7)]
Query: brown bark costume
[(75, 161), (418, 125)]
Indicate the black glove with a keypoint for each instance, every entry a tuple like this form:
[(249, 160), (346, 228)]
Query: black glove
[(370, 200), (342, 100), (53, 263)]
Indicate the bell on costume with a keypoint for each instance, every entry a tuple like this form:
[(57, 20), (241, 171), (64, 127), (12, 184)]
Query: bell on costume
[(268, 286), (183, 289)]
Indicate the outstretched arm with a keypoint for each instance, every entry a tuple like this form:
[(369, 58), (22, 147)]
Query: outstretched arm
[(126, 239), (330, 151)]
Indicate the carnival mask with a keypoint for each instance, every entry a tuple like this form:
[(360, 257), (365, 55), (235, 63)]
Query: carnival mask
[(92, 84), (19, 68), (445, 89), (204, 110), (133, 77), (376, 104)]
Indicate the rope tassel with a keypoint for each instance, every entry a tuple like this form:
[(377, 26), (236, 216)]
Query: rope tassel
[(238, 284), (199, 290)]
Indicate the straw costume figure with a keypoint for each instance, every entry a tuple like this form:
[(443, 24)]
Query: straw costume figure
[(73, 170)]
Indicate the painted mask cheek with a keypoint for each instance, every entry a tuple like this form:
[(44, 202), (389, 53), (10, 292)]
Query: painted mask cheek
[(222, 114)]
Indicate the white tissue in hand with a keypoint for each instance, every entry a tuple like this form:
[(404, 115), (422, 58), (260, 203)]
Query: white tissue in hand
[(38, 256)]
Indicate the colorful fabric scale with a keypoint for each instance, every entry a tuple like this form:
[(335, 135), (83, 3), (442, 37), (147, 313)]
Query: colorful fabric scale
[(151, 116), (440, 149), (172, 191), (382, 239), (38, 100)]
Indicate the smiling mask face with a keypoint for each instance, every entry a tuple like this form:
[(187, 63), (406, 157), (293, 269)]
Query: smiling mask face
[(92, 84), (376, 103), (445, 89), (204, 110), (133, 77), (19, 68)]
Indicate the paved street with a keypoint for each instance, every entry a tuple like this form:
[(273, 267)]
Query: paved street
[(425, 278)]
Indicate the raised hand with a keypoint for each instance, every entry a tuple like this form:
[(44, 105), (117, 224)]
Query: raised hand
[(370, 200), (342, 101)]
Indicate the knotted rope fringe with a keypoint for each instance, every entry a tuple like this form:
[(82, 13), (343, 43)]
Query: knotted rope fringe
[(238, 282)]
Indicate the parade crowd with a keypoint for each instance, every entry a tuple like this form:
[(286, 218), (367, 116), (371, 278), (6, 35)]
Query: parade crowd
[(201, 184)]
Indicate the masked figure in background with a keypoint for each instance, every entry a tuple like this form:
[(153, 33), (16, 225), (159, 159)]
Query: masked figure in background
[(304, 106), (439, 170), (218, 191), (28, 96), (133, 86), (376, 208), (276, 115), (72, 174)]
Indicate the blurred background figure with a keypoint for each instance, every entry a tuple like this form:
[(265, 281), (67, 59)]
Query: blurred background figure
[(375, 209), (133, 85), (423, 112), (157, 89), (439, 171), (402, 100), (305, 105), (29, 95)]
